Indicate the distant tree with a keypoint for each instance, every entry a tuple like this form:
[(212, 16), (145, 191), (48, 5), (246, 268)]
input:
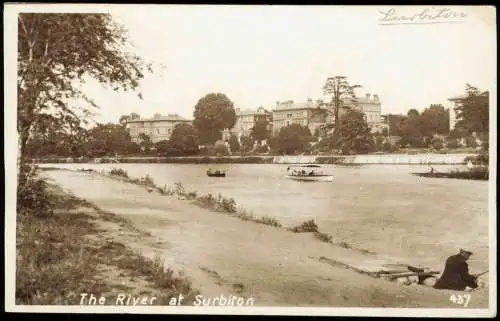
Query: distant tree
[(145, 142), (125, 118), (452, 143), (246, 144), (220, 149), (185, 139), (434, 120), (339, 89), (354, 136), (291, 139), (212, 114), (109, 139), (413, 114), (396, 124), (56, 53), (234, 144), (259, 131), (437, 143), (473, 111)]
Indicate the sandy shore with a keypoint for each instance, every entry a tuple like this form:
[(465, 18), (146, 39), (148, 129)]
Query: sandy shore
[(225, 255)]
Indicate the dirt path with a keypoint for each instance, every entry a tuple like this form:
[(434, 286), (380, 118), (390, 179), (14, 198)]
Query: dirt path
[(225, 255)]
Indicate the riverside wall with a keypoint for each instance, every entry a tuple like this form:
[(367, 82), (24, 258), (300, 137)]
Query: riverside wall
[(425, 159)]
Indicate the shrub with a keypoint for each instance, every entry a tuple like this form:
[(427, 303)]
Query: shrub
[(307, 226), (221, 150), (118, 172), (452, 143), (437, 144), (269, 221), (323, 237), (32, 194)]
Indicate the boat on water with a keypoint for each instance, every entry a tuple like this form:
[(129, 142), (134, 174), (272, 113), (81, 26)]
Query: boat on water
[(216, 173), (308, 173)]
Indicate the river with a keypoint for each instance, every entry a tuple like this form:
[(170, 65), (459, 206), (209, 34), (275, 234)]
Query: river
[(381, 208)]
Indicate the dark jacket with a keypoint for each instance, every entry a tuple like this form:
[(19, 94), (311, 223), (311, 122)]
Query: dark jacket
[(456, 275)]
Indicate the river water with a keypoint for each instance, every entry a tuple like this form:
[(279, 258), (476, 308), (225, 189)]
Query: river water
[(381, 208)]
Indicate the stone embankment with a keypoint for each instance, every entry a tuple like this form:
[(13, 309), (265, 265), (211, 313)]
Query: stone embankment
[(422, 159)]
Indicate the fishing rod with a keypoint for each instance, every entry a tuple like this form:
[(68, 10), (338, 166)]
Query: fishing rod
[(482, 273)]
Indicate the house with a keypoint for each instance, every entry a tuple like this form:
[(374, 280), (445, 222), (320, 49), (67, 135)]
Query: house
[(158, 128)]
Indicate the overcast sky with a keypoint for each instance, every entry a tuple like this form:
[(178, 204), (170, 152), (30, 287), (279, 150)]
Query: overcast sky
[(258, 55)]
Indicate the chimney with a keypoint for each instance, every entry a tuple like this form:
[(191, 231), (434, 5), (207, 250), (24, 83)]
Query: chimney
[(277, 103), (375, 97), (367, 96)]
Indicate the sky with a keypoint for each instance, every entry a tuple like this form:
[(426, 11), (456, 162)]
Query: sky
[(258, 55)]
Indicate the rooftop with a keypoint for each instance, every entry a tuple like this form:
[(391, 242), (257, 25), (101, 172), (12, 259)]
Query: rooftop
[(169, 117)]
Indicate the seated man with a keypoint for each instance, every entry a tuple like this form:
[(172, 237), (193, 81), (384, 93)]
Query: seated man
[(456, 273)]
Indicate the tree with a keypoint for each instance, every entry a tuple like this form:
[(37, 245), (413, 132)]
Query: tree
[(212, 114), (339, 89), (246, 144), (185, 139), (473, 111), (434, 120), (125, 118), (145, 142), (354, 136), (291, 139), (109, 139), (234, 144), (260, 131), (57, 52)]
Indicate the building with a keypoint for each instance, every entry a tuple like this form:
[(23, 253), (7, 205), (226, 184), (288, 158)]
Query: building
[(246, 119), (308, 114), (157, 128), (371, 107), (454, 102)]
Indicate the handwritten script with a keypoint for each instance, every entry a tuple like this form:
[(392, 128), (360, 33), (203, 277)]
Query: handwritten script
[(423, 16)]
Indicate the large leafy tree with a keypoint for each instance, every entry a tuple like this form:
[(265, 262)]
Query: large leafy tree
[(185, 139), (473, 111), (291, 139), (56, 53), (435, 120), (212, 114), (354, 136), (260, 131), (340, 90), (109, 139)]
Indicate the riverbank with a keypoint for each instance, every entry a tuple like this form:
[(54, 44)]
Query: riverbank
[(224, 254), (426, 159), (476, 173), (82, 249)]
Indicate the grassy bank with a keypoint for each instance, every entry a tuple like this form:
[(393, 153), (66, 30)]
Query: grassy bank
[(226, 205), (63, 249)]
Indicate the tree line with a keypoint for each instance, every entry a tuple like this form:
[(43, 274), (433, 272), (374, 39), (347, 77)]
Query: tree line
[(57, 52)]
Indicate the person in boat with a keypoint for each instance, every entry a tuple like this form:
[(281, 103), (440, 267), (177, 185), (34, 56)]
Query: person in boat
[(311, 173), (456, 273)]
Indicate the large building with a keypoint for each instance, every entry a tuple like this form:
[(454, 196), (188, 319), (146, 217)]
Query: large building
[(308, 114), (157, 128), (371, 107), (246, 119)]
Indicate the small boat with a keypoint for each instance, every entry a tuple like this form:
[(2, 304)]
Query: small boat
[(216, 173), (308, 173)]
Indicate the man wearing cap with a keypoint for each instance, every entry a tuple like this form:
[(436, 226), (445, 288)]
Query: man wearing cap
[(456, 273)]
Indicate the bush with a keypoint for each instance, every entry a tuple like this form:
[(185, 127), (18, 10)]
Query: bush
[(437, 144), (221, 150), (452, 143), (32, 194), (269, 221), (118, 172), (323, 237), (307, 226)]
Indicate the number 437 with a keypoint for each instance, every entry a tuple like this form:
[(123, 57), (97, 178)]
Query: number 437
[(460, 299)]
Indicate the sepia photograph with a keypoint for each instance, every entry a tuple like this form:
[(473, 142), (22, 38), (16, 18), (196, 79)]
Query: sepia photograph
[(251, 159)]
